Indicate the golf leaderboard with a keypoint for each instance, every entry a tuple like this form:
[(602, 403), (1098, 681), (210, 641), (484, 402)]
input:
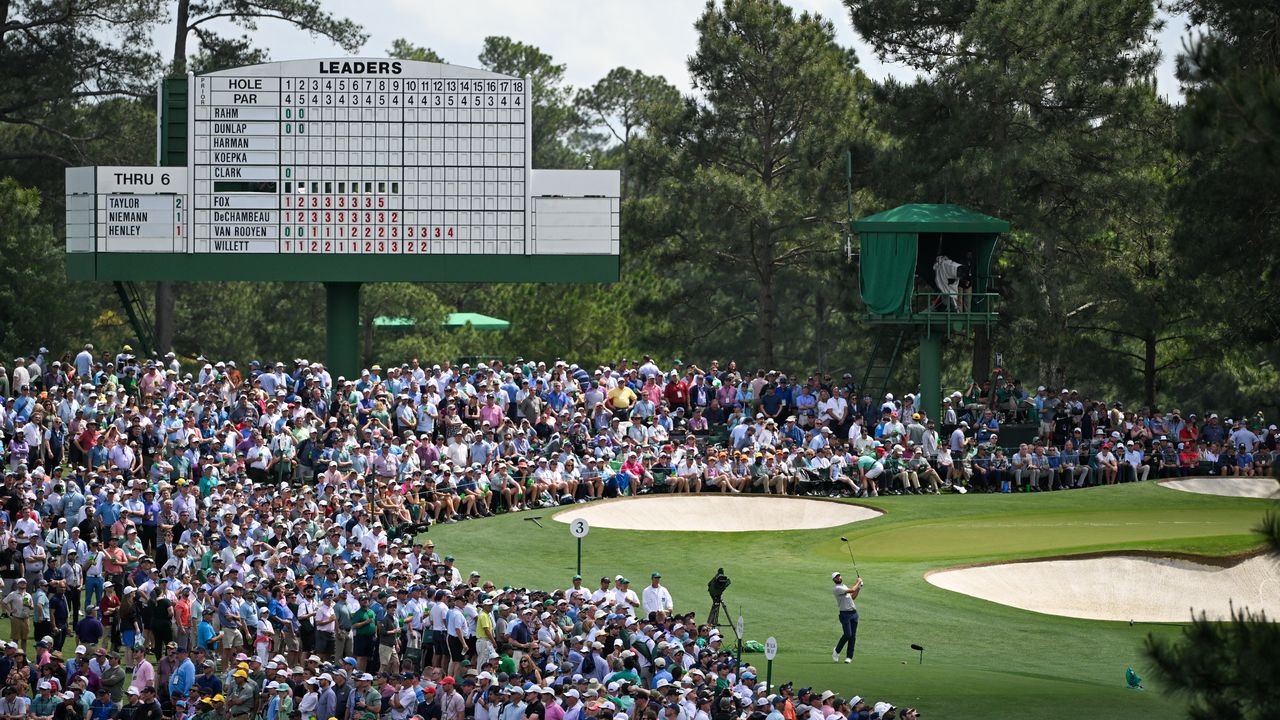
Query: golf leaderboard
[(339, 158)]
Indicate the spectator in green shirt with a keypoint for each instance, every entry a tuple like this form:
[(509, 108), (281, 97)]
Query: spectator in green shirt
[(365, 632)]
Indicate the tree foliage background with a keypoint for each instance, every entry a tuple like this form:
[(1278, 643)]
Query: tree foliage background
[(1141, 263)]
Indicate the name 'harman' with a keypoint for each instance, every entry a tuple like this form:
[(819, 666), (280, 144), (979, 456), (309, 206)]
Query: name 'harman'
[(359, 67)]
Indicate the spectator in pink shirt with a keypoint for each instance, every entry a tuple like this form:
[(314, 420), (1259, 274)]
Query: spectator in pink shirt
[(492, 412), (728, 396), (652, 390), (633, 471)]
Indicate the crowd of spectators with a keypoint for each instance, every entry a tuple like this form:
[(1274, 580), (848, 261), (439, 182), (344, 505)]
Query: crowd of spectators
[(468, 441), (258, 529)]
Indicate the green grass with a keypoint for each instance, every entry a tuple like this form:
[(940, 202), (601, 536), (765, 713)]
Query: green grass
[(981, 659)]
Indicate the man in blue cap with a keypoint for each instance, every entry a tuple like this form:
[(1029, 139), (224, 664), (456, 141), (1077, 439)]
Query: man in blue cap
[(777, 702)]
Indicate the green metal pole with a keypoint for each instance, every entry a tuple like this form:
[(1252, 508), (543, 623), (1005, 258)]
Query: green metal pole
[(579, 556), (342, 328), (931, 374)]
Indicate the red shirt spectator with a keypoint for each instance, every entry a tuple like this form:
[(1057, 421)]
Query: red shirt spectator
[(677, 394)]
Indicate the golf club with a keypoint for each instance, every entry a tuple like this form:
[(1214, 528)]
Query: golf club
[(849, 547)]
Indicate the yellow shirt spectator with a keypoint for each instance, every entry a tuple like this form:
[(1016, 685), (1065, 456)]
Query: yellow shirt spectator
[(621, 397)]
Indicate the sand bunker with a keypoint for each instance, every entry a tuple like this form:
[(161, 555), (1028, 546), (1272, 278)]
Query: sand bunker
[(1122, 587), (717, 513), (1251, 487)]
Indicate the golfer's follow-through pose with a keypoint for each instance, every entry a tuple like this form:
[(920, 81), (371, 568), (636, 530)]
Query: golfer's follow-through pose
[(845, 596)]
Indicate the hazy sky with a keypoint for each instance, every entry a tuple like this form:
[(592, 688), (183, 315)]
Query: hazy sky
[(589, 36)]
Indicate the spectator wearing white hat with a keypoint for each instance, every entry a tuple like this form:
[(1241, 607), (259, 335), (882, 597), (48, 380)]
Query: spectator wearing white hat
[(624, 598), (1133, 464)]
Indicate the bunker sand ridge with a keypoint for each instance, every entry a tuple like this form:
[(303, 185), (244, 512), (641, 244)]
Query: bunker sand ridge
[(1250, 487), (717, 513), (1123, 587)]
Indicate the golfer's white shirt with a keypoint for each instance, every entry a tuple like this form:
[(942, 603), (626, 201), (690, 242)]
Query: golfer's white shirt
[(844, 602)]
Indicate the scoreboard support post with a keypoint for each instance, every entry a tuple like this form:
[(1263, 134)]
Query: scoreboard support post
[(342, 327)]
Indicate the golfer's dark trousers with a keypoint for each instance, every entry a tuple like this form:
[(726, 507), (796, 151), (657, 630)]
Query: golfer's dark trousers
[(849, 630)]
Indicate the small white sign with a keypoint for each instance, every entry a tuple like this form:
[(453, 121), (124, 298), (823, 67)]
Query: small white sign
[(738, 626), (579, 528), (142, 180), (770, 648)]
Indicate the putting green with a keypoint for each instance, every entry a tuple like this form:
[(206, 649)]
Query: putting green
[(981, 659)]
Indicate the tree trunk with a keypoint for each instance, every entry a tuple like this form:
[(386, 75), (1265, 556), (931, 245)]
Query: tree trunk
[(766, 317), (1054, 326), (1149, 343), (819, 337), (366, 359), (166, 295), (180, 37), (164, 316), (626, 166)]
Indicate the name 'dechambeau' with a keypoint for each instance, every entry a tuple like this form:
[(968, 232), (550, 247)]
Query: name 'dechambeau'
[(243, 216)]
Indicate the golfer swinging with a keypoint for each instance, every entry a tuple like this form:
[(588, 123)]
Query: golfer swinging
[(845, 596)]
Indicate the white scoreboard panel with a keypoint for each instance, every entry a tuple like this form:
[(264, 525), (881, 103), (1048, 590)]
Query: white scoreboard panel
[(127, 209), (354, 156)]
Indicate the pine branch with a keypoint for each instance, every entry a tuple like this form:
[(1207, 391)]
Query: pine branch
[(1269, 529)]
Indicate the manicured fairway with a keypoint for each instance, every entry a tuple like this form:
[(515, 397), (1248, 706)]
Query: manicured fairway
[(981, 659)]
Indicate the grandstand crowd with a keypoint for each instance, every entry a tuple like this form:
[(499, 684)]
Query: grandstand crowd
[(258, 529)]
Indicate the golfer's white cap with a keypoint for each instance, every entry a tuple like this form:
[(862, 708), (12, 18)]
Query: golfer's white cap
[(835, 575)]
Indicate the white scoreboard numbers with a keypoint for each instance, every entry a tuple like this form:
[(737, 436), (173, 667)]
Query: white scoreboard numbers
[(345, 157), (360, 157)]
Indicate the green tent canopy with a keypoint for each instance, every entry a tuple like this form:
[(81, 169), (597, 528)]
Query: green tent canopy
[(927, 218), (899, 244), (477, 321)]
